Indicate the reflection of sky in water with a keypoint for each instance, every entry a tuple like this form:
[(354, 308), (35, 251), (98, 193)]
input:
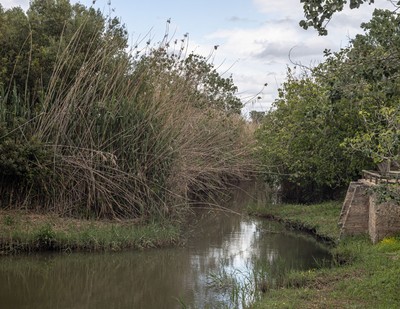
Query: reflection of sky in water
[(232, 255), (236, 251)]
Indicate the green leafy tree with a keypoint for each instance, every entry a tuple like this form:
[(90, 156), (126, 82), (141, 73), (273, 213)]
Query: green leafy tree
[(39, 43), (300, 141), (217, 91), (318, 13), (341, 116), (381, 138), (373, 64), (257, 116), (206, 88), (14, 52), (42, 53)]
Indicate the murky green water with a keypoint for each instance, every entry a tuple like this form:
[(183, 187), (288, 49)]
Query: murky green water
[(215, 270)]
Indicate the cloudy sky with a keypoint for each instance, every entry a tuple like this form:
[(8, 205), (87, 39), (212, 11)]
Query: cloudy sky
[(254, 36)]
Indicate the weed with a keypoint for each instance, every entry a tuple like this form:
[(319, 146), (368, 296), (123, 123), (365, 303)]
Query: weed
[(8, 220), (45, 236)]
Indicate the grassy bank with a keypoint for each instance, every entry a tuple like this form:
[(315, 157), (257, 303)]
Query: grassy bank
[(319, 219), (26, 232), (362, 275)]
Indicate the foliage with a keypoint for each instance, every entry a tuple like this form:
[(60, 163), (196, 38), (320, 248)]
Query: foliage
[(206, 87), (300, 141), (318, 13), (218, 92), (90, 129), (256, 116), (380, 139), (45, 236), (34, 42), (339, 117), (23, 156), (374, 67), (386, 192)]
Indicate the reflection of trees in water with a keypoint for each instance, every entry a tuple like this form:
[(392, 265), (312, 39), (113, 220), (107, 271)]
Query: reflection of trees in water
[(123, 280), (284, 249)]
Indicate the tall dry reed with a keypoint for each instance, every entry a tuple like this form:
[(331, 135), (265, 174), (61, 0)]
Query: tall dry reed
[(125, 137)]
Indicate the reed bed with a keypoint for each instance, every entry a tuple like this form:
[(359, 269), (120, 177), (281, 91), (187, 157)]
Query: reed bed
[(124, 137)]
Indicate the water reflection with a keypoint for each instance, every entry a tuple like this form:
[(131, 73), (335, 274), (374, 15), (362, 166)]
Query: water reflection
[(224, 243)]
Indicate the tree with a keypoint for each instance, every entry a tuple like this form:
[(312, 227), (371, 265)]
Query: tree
[(340, 117), (14, 52), (49, 34), (206, 88), (318, 13), (256, 116), (380, 139), (218, 92), (373, 64), (300, 141)]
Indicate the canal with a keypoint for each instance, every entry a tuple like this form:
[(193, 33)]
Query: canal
[(228, 261)]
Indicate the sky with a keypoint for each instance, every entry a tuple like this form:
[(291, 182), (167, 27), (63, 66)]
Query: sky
[(254, 37)]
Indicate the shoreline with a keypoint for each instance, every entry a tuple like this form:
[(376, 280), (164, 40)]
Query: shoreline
[(362, 275), (358, 266), (26, 232), (318, 220), (298, 226)]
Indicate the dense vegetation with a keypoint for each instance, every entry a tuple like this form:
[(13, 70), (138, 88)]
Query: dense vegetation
[(88, 128), (328, 123), (318, 13), (338, 118)]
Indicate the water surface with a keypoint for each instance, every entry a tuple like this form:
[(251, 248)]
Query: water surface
[(225, 251)]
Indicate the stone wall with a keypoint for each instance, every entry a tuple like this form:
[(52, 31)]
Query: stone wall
[(354, 216), (362, 214), (384, 219)]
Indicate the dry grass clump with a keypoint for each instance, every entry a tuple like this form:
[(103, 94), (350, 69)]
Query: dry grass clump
[(125, 137)]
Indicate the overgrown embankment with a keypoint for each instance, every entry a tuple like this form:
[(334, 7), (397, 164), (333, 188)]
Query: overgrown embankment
[(317, 219), (22, 232), (362, 275), (89, 129)]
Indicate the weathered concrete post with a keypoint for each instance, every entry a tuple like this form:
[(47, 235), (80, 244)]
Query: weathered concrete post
[(355, 211), (361, 213), (384, 219)]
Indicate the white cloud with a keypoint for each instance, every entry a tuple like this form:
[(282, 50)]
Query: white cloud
[(7, 4), (264, 54), (280, 7), (264, 49), (257, 46)]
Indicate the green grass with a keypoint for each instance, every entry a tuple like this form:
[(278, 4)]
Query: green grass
[(362, 275), (321, 218), (23, 232)]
